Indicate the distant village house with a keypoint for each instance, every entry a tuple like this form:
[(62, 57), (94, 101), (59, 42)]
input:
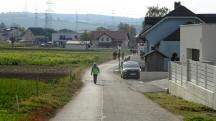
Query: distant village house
[(61, 38), (35, 36), (109, 39)]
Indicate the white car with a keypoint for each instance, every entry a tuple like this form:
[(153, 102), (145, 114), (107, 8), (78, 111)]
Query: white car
[(130, 69)]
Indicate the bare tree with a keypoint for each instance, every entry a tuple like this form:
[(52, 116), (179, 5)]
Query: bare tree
[(85, 36), (155, 11), (131, 30)]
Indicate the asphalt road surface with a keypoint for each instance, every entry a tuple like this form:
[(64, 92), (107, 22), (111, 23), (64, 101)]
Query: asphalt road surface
[(111, 100)]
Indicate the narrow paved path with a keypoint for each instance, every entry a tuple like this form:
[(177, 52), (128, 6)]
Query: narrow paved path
[(111, 100)]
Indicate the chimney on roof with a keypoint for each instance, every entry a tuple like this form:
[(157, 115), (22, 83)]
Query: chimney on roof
[(177, 4)]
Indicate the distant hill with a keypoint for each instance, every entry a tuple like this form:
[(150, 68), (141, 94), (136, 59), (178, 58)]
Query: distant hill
[(68, 21)]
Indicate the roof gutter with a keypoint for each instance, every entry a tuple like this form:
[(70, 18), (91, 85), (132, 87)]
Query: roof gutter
[(144, 33)]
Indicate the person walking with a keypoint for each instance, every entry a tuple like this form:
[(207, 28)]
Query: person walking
[(122, 55), (95, 71)]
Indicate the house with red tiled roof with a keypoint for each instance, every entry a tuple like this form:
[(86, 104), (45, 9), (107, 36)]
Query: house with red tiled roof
[(109, 39)]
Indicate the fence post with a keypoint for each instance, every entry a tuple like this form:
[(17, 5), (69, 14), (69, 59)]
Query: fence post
[(196, 73), (181, 74), (214, 78), (17, 101), (188, 70), (206, 75), (169, 70), (70, 75), (37, 89), (175, 73)]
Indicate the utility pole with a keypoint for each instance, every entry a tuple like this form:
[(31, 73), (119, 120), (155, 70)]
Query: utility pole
[(113, 22), (48, 14), (36, 18), (119, 57), (77, 24)]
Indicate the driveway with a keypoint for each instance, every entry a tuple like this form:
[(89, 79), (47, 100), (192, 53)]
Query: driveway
[(111, 100)]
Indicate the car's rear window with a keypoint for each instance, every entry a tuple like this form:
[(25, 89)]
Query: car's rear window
[(131, 65)]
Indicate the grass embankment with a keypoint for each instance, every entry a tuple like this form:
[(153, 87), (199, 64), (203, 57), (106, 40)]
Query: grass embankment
[(189, 111), (52, 94)]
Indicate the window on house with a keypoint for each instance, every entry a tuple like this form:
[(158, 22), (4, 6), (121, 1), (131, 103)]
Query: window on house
[(193, 54), (75, 37), (62, 37)]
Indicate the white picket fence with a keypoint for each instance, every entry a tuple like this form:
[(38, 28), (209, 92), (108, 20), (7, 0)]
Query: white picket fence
[(200, 74)]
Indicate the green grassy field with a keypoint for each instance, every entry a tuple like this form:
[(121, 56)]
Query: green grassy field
[(40, 57), (9, 88), (189, 111), (52, 94), (23, 89)]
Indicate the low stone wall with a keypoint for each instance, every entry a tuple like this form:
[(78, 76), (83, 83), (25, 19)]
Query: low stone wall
[(151, 76), (194, 93)]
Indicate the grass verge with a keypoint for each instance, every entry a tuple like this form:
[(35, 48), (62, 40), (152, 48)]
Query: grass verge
[(189, 111), (33, 107), (43, 107)]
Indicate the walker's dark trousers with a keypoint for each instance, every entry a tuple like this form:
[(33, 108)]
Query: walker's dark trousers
[(95, 78)]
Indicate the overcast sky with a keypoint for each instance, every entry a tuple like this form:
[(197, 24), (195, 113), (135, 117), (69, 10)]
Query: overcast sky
[(126, 8)]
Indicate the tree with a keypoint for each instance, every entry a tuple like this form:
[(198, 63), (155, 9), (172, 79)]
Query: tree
[(2, 25), (102, 29), (15, 25), (85, 36), (123, 27), (155, 11), (49, 33), (132, 39), (131, 30)]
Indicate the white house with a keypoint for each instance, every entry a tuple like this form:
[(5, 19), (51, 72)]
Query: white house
[(109, 39), (60, 39), (198, 42), (163, 33), (193, 78)]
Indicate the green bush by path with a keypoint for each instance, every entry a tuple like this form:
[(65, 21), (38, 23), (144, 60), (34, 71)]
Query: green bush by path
[(6, 116)]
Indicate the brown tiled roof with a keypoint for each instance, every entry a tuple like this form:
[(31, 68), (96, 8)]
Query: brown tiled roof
[(115, 35)]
